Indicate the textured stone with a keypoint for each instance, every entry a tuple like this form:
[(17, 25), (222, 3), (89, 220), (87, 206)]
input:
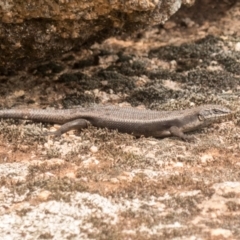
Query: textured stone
[(31, 30)]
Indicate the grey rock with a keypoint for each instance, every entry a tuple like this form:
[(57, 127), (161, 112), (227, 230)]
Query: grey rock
[(33, 30)]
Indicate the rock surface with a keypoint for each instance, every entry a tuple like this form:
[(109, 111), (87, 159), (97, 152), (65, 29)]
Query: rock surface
[(100, 184), (43, 29)]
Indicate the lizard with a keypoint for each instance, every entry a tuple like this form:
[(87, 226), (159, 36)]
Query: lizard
[(139, 122)]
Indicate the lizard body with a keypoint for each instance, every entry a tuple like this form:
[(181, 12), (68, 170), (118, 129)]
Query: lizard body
[(128, 120)]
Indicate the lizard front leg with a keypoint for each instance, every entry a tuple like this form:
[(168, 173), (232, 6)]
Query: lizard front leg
[(176, 131)]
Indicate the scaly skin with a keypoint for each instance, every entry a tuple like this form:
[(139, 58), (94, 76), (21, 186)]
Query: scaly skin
[(128, 120)]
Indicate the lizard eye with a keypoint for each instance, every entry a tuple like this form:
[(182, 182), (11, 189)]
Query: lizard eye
[(200, 117), (216, 111)]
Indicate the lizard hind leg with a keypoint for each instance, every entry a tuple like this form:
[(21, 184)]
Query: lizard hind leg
[(75, 124)]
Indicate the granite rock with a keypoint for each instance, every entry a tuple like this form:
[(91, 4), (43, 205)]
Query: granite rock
[(33, 30)]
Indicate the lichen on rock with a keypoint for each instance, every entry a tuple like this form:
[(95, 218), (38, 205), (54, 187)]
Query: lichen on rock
[(32, 30)]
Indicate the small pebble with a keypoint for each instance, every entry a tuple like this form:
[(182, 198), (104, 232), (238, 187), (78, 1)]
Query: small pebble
[(94, 149)]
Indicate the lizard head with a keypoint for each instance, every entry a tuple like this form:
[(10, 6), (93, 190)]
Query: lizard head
[(209, 113), (202, 116)]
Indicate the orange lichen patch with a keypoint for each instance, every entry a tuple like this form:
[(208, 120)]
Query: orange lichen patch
[(10, 154)]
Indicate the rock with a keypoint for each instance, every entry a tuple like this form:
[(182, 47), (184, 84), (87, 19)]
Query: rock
[(36, 30), (221, 233)]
